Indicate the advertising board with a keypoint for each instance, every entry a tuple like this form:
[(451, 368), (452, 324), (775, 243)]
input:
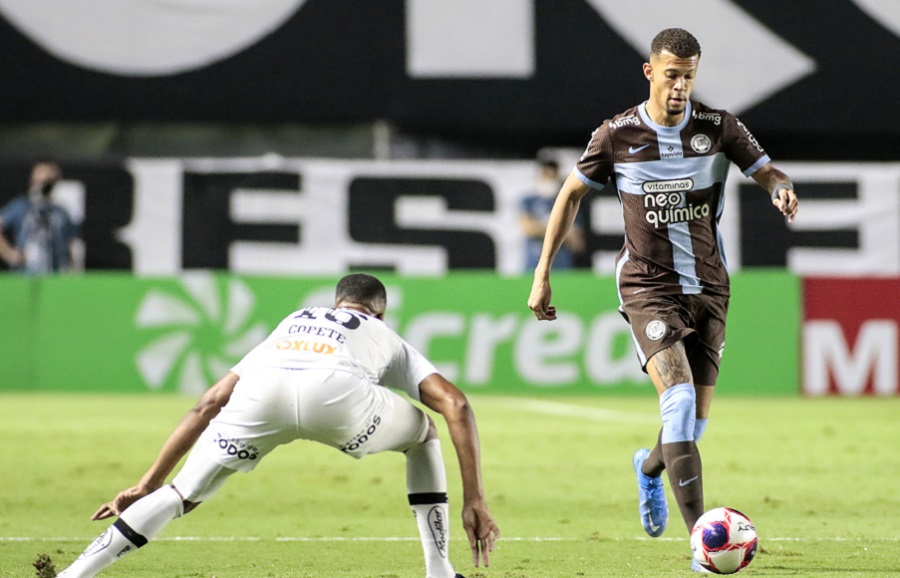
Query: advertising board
[(117, 332), (850, 336)]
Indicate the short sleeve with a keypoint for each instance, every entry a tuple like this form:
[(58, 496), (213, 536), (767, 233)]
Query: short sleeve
[(254, 353), (407, 370), (238, 368), (741, 147), (596, 163)]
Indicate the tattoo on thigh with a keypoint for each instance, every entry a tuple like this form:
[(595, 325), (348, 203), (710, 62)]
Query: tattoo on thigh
[(671, 366)]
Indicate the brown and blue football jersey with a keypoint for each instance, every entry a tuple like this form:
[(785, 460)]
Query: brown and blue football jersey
[(670, 182)]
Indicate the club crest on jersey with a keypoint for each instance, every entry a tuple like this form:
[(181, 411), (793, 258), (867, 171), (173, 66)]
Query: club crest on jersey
[(655, 330), (701, 143)]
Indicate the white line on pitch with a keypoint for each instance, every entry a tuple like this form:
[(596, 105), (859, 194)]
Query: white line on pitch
[(416, 539), (278, 539), (568, 410)]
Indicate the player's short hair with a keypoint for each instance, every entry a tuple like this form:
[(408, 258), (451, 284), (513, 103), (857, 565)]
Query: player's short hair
[(363, 289), (678, 41)]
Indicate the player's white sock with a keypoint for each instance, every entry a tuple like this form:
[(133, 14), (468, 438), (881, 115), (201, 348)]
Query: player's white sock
[(426, 483), (137, 525)]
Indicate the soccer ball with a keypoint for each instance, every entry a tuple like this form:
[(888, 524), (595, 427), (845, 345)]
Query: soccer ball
[(723, 540)]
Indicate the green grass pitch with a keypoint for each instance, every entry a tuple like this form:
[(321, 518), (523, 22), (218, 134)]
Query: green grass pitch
[(817, 476)]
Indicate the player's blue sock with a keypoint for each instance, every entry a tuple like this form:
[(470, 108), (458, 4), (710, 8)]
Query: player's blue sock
[(426, 483), (699, 427), (678, 408)]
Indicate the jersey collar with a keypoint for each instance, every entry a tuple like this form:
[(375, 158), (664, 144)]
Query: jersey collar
[(688, 110)]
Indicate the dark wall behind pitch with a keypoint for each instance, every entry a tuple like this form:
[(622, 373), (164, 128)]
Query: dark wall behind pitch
[(343, 62)]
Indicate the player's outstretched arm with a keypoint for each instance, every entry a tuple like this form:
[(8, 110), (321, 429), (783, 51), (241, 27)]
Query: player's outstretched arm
[(565, 208), (176, 446), (445, 398), (780, 188)]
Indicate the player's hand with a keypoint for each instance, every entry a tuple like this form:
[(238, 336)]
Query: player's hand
[(786, 201), (539, 300), (481, 529), (13, 257), (124, 499)]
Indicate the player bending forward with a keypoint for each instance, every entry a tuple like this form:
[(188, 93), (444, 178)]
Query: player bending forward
[(319, 377), (669, 158)]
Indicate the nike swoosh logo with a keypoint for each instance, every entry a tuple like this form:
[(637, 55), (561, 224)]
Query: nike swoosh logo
[(653, 527), (633, 150), (683, 483)]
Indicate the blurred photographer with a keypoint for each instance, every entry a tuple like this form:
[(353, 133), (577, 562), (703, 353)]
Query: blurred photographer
[(534, 214), (36, 234)]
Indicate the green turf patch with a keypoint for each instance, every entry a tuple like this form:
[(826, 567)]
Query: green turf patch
[(816, 477)]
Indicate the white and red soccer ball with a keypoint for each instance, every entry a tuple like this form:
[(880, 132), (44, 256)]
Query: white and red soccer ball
[(723, 540)]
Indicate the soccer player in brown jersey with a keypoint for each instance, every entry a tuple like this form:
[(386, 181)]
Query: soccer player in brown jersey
[(669, 157)]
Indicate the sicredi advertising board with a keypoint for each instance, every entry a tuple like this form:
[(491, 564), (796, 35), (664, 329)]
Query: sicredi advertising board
[(118, 332)]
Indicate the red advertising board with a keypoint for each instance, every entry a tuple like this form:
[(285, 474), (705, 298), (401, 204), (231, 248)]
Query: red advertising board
[(850, 336)]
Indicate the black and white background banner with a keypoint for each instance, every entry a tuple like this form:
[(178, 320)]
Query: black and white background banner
[(274, 215), (510, 67)]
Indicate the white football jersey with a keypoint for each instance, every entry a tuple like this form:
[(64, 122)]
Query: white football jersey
[(342, 339)]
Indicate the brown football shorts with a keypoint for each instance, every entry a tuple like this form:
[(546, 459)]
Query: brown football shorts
[(660, 321)]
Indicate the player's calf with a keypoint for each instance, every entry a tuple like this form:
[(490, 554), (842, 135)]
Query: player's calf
[(137, 525), (426, 484)]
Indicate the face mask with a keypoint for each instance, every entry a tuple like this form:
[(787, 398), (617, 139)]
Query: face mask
[(40, 193)]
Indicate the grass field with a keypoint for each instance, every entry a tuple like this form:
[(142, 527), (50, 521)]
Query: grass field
[(818, 477)]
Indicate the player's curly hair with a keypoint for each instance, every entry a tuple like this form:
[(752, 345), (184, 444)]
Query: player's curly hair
[(363, 289), (678, 41)]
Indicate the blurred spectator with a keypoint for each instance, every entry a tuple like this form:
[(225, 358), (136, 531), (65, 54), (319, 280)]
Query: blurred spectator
[(535, 213), (37, 235)]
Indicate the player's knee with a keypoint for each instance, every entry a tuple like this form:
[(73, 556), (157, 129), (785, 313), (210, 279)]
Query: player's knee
[(431, 433), (186, 505), (677, 406)]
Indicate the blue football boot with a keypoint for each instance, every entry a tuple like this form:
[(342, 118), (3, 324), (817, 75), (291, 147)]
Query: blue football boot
[(652, 496)]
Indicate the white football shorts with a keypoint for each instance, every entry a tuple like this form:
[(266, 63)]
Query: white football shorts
[(274, 406)]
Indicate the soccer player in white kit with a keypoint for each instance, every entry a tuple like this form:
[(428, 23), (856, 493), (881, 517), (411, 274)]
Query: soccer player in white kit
[(321, 375)]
